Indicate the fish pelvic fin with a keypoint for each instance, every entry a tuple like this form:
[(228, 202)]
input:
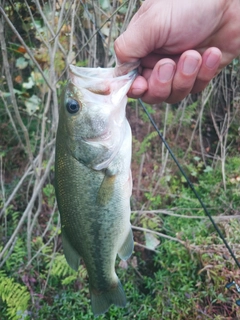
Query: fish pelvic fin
[(71, 255), (126, 249), (102, 301)]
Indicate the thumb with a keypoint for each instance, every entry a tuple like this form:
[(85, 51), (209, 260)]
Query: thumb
[(139, 38), (144, 33), (134, 43), (129, 48), (127, 58), (125, 67)]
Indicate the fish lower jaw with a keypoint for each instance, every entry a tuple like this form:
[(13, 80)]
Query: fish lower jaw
[(103, 137)]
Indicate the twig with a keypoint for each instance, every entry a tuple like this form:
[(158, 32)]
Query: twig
[(143, 246), (223, 139), (34, 23), (2, 193), (113, 23), (26, 173), (43, 127), (9, 252), (90, 39), (10, 198), (164, 155), (12, 121), (49, 240), (48, 25), (51, 263), (70, 52), (181, 110), (140, 175), (29, 206), (162, 235), (198, 124), (169, 213), (205, 98), (13, 97), (52, 71), (24, 45), (131, 6)]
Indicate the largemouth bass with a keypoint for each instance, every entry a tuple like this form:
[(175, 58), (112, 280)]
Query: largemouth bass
[(93, 179)]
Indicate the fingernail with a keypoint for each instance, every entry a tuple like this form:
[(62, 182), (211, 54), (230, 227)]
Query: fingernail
[(165, 72), (190, 65), (212, 60)]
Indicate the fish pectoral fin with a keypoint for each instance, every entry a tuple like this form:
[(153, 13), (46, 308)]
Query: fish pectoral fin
[(102, 301), (106, 189), (71, 255), (127, 248)]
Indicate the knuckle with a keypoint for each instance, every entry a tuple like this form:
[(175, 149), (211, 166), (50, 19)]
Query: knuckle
[(182, 87)]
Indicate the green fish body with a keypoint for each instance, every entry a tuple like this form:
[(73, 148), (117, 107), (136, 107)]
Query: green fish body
[(93, 179)]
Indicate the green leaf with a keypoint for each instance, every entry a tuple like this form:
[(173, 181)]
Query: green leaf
[(8, 94), (208, 169), (21, 63), (197, 158), (70, 279), (105, 4), (151, 241), (29, 84), (32, 104)]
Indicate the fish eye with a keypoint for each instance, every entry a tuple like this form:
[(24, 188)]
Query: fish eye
[(72, 106)]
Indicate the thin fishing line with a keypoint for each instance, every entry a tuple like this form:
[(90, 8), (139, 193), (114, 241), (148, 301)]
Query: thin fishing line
[(190, 184)]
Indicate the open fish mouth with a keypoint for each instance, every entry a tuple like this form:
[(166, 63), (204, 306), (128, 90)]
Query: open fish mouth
[(99, 73), (98, 80)]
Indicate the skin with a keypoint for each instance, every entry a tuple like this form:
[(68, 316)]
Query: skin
[(179, 45)]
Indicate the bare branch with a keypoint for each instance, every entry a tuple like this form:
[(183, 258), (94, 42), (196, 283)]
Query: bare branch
[(24, 45), (29, 206), (162, 235)]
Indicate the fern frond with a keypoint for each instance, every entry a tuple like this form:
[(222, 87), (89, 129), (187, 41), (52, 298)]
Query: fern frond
[(147, 142), (15, 296), (17, 257), (61, 269)]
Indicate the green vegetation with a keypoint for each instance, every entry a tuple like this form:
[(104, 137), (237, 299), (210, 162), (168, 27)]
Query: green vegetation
[(180, 267)]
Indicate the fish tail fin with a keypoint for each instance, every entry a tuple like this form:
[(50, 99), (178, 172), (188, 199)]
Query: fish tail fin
[(102, 301)]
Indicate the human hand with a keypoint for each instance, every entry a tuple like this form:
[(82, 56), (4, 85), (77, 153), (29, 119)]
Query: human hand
[(180, 46)]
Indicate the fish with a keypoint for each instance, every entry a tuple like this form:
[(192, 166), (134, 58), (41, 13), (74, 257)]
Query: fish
[(93, 180)]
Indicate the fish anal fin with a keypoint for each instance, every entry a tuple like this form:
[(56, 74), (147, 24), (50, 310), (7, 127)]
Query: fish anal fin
[(71, 255), (127, 247), (106, 190), (102, 301)]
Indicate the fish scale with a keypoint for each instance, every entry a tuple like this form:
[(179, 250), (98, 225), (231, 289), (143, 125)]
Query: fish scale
[(93, 179)]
